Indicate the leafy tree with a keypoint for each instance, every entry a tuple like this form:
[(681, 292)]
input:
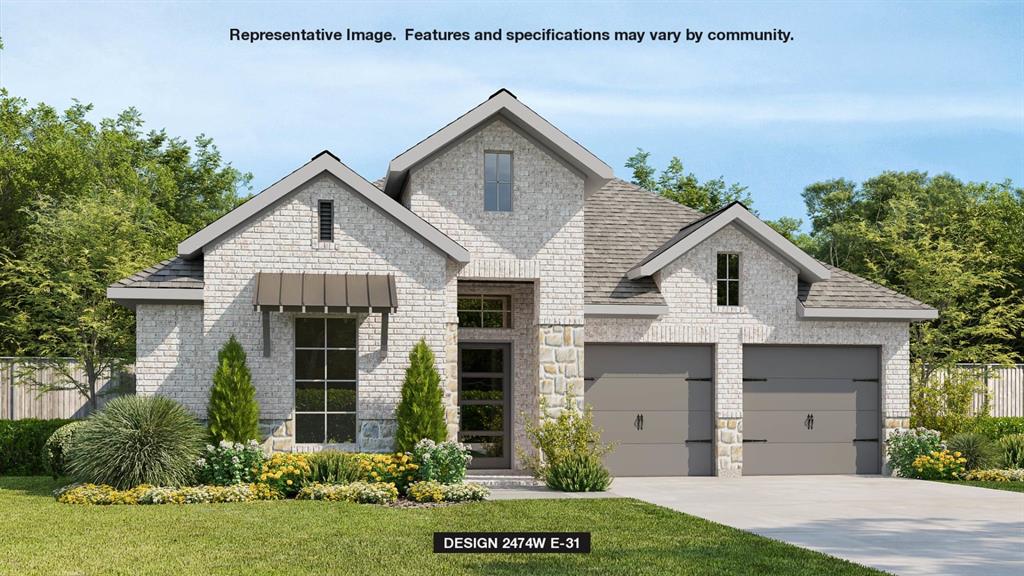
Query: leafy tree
[(675, 183), (420, 413), (950, 244), (81, 206), (232, 412), (56, 292)]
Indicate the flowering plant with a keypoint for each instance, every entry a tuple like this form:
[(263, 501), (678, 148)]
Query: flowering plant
[(904, 446), (285, 472), (397, 469), (146, 494), (230, 463), (360, 492), (430, 491), (444, 462), (940, 465)]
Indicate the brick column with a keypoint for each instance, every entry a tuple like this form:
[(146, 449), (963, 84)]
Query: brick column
[(729, 406)]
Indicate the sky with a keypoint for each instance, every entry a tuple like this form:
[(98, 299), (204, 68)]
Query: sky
[(862, 87)]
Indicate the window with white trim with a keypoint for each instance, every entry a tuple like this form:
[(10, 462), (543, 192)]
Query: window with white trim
[(325, 380), (498, 181), (728, 279), (485, 311)]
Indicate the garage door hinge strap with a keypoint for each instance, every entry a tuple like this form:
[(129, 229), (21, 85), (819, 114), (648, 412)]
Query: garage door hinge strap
[(750, 440), (865, 379), (755, 379)]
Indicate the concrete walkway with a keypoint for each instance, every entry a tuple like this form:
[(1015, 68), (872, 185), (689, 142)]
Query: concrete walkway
[(907, 527)]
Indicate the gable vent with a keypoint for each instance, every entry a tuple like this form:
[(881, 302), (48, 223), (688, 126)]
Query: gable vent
[(326, 218)]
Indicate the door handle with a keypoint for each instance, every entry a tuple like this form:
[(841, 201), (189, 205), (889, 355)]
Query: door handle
[(809, 422), (638, 422)]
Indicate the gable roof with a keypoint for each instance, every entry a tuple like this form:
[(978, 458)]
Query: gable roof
[(171, 273), (846, 295), (329, 163), (810, 270), (504, 104), (623, 223)]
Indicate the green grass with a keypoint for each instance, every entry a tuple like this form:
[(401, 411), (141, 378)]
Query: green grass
[(40, 536), (1008, 486)]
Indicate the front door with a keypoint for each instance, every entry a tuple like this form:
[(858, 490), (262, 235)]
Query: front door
[(484, 401)]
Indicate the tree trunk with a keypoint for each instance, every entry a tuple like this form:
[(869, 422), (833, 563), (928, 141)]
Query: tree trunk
[(91, 376)]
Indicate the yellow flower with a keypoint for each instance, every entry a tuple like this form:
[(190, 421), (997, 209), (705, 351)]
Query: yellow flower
[(289, 482)]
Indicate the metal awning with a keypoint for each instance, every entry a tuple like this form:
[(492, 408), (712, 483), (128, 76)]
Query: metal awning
[(325, 293)]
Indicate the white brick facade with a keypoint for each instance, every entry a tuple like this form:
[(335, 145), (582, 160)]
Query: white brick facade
[(767, 315)]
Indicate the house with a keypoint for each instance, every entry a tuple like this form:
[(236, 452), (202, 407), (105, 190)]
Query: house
[(707, 344)]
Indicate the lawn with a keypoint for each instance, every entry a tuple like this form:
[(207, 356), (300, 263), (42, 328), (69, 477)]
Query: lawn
[(41, 536), (1008, 486)]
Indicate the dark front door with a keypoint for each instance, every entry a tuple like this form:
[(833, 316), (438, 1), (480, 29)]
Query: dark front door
[(484, 401)]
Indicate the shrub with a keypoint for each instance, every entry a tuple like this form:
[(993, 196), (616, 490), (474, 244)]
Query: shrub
[(572, 432), (420, 413), (904, 446), (137, 440), (21, 445), (1015, 475), (939, 465), (285, 472), (233, 412), (944, 401), (996, 428), (145, 494), (977, 450), (359, 492), (444, 462), (1011, 451), (431, 491), (57, 446), (230, 463), (333, 467), (397, 469), (578, 473)]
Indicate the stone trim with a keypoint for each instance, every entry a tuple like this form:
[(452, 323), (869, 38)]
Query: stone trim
[(561, 366), (729, 447), (450, 398)]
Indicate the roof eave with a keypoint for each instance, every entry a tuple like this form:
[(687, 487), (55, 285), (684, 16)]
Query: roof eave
[(193, 246), (502, 103), (130, 297), (810, 270), (901, 314)]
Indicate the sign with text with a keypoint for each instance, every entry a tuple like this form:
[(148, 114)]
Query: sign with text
[(511, 542)]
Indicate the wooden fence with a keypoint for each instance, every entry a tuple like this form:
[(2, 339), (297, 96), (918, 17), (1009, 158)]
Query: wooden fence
[(19, 400), (1004, 388)]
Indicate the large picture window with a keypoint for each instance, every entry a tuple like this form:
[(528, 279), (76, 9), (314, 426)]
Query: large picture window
[(325, 380)]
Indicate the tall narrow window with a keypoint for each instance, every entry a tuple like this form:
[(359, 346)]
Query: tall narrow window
[(325, 380), (728, 279), (498, 181), (325, 211)]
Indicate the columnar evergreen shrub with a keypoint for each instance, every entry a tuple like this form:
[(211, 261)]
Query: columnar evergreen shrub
[(420, 413), (233, 412), (137, 440), (22, 445)]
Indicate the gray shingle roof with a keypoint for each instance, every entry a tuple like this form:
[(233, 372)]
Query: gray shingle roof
[(624, 223), (847, 290), (173, 273)]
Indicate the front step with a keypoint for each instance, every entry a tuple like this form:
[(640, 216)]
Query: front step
[(504, 479)]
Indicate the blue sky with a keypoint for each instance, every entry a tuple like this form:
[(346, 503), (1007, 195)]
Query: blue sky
[(863, 87)]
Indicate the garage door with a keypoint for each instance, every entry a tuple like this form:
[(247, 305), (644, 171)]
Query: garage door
[(810, 410), (654, 401)]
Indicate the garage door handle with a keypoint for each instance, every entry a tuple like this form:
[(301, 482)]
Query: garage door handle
[(698, 441), (758, 440), (865, 439)]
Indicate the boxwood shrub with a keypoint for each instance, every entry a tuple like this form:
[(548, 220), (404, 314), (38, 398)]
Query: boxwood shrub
[(997, 427), (21, 445)]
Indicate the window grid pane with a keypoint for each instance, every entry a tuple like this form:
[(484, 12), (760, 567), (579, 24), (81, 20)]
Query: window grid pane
[(727, 283), (484, 311), (498, 181), (325, 410)]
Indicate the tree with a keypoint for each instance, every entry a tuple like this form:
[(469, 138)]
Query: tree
[(233, 412), (420, 413), (56, 293), (675, 183), (944, 242), (81, 206)]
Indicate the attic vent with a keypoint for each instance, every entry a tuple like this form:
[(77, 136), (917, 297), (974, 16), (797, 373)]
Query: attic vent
[(326, 218)]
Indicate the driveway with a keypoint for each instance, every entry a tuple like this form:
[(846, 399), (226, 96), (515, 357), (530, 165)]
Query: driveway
[(902, 526)]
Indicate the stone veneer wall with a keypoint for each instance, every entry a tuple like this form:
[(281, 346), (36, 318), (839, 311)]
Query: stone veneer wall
[(561, 367), (767, 315)]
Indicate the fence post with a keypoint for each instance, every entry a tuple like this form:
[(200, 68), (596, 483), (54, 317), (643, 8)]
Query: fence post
[(10, 391)]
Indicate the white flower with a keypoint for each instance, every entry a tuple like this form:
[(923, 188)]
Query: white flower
[(210, 449)]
